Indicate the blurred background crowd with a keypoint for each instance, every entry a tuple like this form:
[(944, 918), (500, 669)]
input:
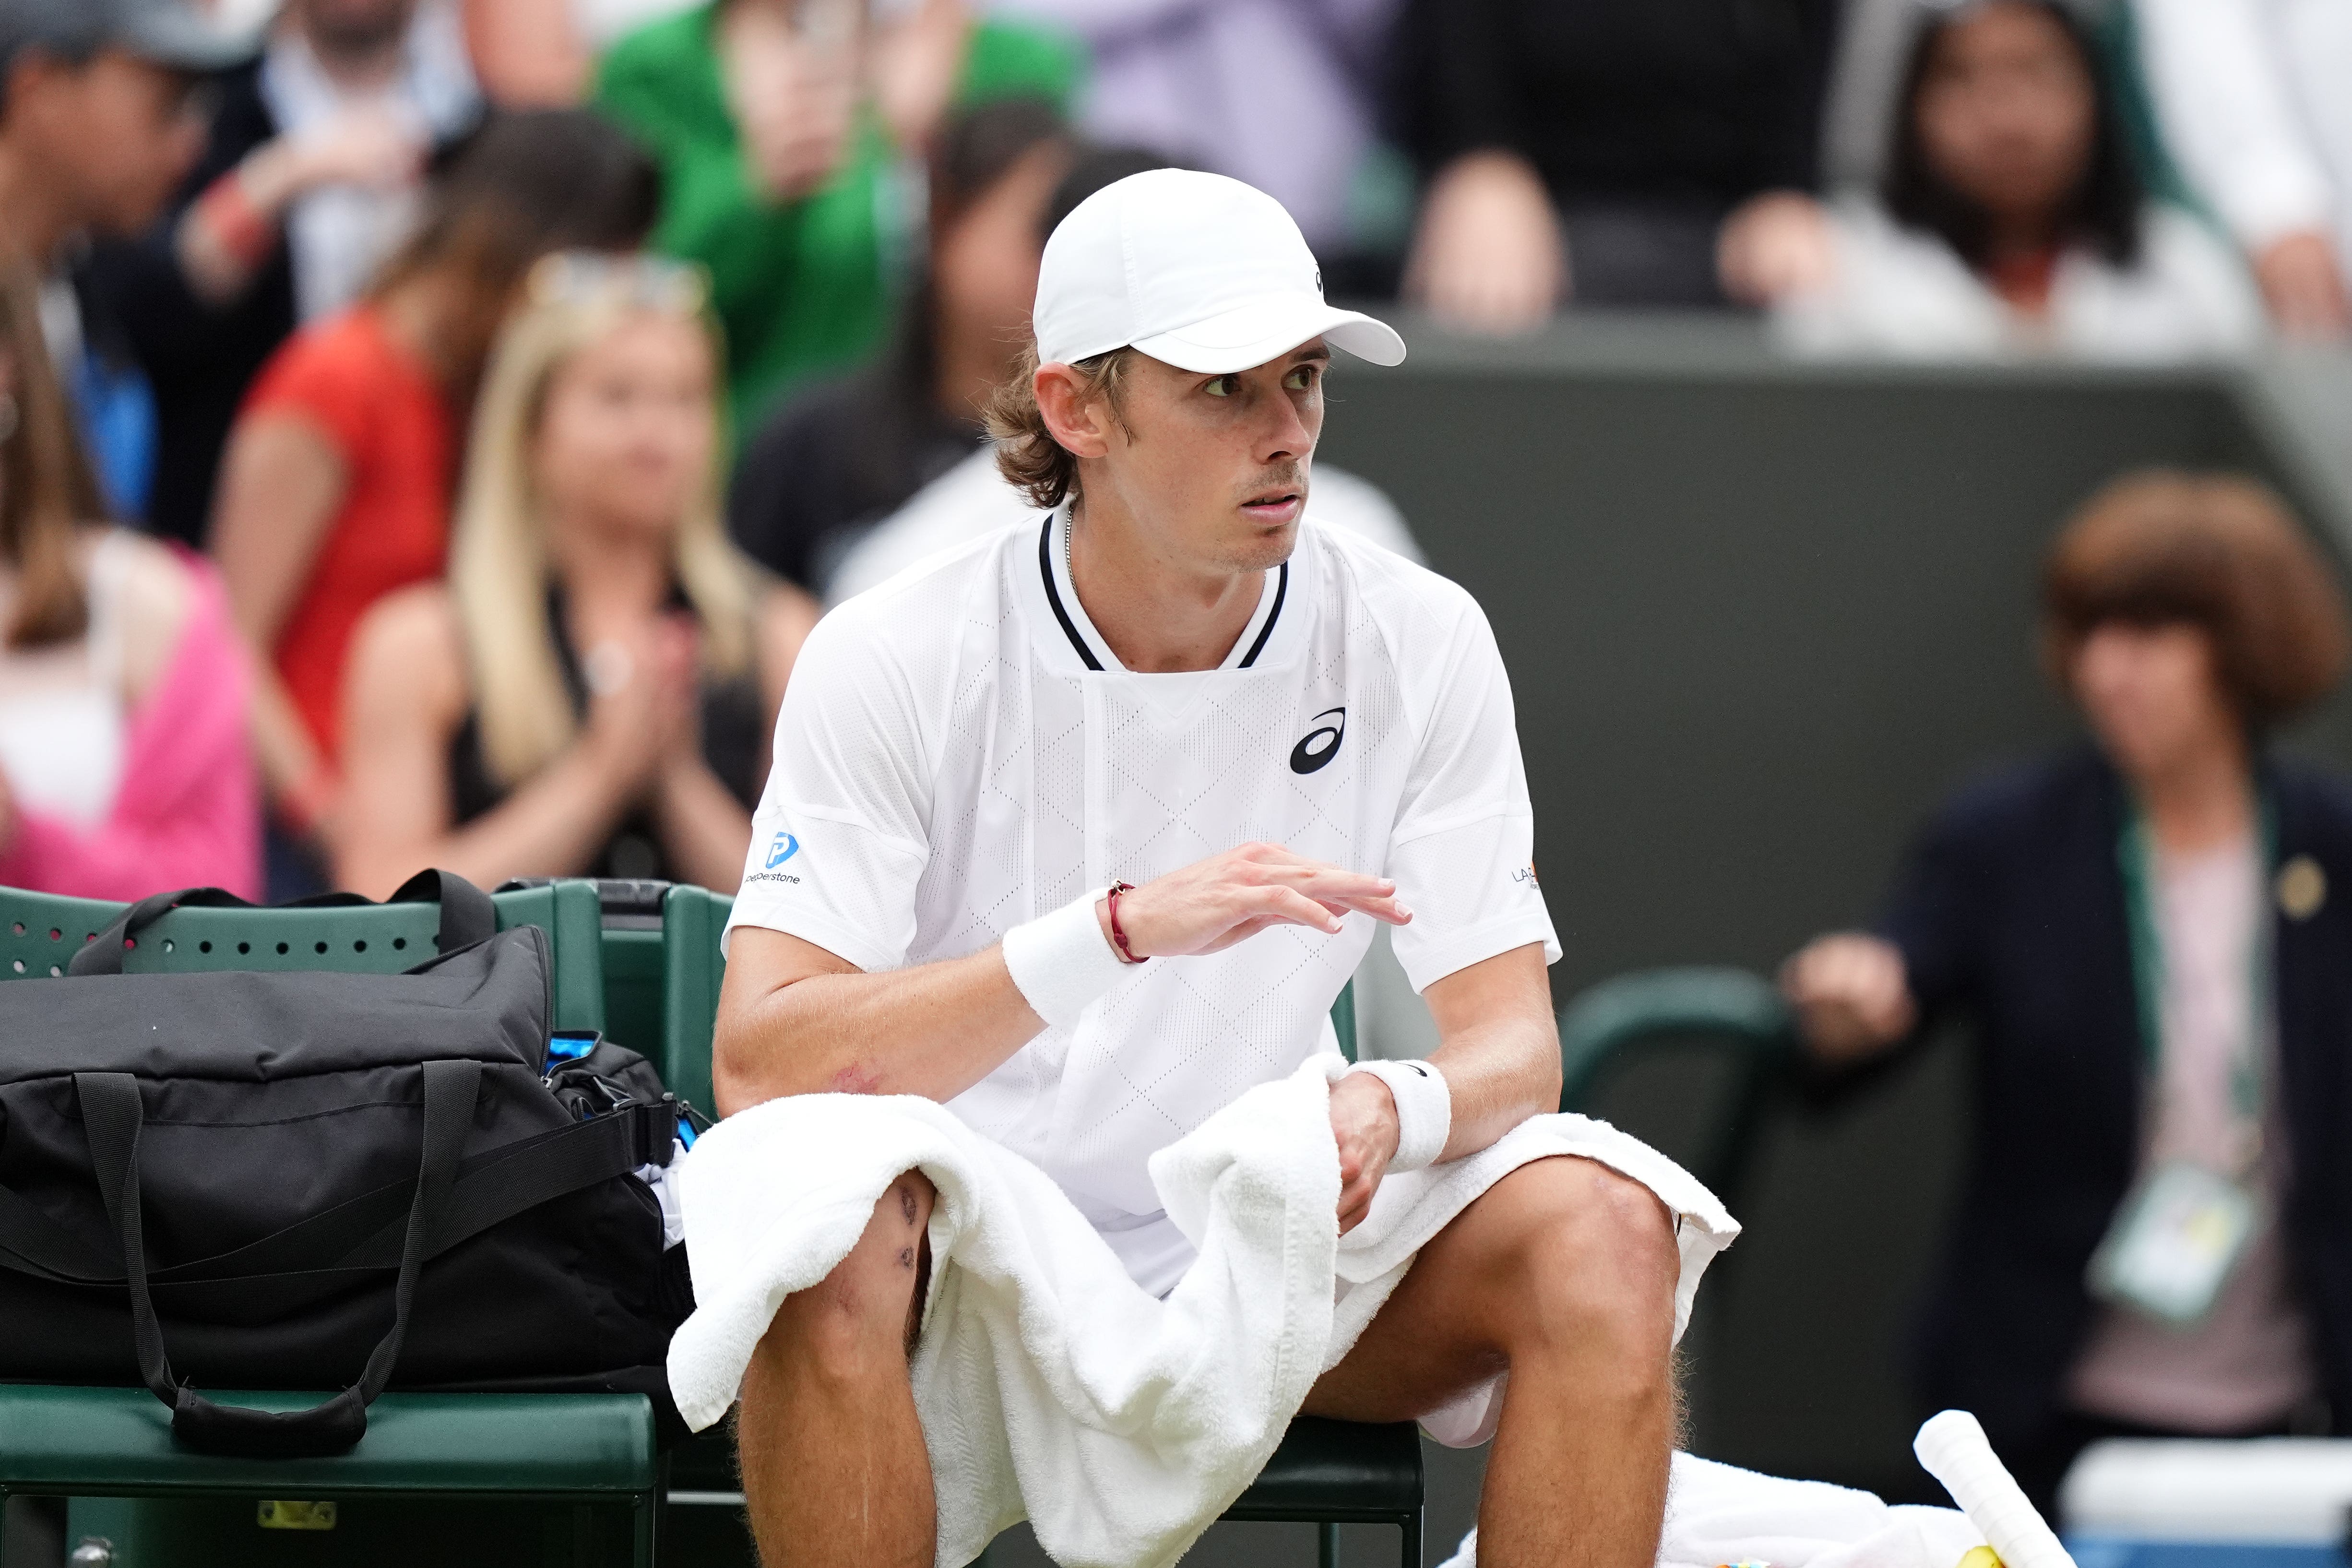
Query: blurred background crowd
[(428, 430)]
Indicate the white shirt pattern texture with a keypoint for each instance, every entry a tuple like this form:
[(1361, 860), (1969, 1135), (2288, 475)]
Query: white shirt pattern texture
[(959, 751)]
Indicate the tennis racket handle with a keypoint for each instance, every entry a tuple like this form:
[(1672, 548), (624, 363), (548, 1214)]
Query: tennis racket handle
[(1954, 1450)]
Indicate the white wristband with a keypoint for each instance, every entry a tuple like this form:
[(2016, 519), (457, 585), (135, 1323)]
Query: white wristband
[(1062, 961), (1424, 1110)]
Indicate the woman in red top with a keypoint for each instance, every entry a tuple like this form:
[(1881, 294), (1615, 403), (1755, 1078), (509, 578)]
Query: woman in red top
[(335, 488)]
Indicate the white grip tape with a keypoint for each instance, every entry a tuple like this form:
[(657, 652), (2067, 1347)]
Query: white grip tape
[(1954, 1450), (1062, 961), (1424, 1110)]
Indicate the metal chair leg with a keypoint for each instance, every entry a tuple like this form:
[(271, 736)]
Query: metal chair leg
[(646, 1528), (1327, 1546), (1410, 1528)]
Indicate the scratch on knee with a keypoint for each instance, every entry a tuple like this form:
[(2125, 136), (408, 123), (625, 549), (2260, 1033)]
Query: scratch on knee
[(907, 1203), (906, 1257)]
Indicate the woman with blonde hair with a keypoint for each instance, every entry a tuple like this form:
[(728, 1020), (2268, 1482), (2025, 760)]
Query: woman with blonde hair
[(123, 767), (591, 692)]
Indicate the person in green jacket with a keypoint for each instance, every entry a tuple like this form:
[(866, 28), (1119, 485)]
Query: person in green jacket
[(779, 126)]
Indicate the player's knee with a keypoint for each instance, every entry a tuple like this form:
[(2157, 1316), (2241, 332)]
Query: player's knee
[(1596, 1265), (856, 1320)]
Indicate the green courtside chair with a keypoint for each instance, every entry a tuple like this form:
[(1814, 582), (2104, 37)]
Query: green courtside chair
[(524, 1479), (1727, 1010), (1326, 1473)]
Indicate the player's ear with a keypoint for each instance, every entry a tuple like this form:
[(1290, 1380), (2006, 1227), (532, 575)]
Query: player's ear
[(1080, 423)]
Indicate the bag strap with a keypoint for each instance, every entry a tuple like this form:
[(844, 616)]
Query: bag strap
[(365, 1232), (467, 915), (578, 1157), (112, 1116)]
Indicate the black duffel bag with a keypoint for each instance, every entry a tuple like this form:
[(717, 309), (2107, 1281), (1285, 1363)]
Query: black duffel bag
[(240, 1180)]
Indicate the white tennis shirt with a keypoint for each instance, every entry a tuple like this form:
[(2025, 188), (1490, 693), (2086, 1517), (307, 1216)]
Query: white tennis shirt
[(959, 751)]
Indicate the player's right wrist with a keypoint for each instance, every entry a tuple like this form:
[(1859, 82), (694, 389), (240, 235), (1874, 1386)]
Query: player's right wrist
[(1061, 962)]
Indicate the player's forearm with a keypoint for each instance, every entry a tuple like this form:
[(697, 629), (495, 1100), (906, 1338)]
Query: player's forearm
[(1498, 1047), (933, 1030), (1498, 1074)]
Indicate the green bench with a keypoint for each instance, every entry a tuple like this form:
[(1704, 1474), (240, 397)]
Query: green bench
[(585, 1464)]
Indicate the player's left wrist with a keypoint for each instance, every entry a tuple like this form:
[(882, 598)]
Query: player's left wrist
[(1420, 1105)]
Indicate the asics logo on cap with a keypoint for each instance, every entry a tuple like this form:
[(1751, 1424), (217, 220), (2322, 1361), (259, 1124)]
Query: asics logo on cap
[(1320, 744)]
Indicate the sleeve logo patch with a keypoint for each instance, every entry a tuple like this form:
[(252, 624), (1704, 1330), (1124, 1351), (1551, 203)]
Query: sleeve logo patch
[(782, 848)]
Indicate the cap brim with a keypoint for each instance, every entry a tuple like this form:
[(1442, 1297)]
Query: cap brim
[(177, 38), (1250, 335)]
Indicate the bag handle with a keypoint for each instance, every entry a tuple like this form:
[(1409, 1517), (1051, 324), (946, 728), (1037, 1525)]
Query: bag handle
[(112, 1116), (467, 915)]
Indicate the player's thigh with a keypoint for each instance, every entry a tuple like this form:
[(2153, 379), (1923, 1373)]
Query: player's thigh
[(1509, 1269)]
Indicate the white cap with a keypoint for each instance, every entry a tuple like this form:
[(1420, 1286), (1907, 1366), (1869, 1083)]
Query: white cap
[(1197, 270)]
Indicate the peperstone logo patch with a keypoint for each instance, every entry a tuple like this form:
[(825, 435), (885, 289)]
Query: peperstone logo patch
[(1320, 744)]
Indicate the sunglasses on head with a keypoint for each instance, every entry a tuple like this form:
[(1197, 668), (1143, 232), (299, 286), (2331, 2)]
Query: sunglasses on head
[(651, 282)]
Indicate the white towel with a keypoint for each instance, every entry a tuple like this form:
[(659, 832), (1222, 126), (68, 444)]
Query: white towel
[(1049, 1385), (1717, 1514)]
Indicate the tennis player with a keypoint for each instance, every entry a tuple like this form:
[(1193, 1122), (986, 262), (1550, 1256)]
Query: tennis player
[(1081, 830)]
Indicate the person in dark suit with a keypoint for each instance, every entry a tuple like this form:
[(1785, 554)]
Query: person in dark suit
[(2152, 937)]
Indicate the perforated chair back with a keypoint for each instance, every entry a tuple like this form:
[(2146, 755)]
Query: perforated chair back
[(1728, 1011), (40, 932)]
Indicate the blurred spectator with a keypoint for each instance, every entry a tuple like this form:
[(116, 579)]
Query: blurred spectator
[(97, 122), (1593, 150), (775, 122), (123, 767), (311, 178), (592, 690), (2010, 217), (843, 454), (2255, 100), (2151, 937), (1279, 93), (335, 488)]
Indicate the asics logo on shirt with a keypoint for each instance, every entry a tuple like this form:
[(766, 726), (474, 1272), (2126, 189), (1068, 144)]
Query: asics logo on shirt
[(1320, 744), (783, 848)]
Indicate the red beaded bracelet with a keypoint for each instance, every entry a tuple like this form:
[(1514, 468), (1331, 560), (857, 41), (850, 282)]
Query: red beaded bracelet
[(1117, 936)]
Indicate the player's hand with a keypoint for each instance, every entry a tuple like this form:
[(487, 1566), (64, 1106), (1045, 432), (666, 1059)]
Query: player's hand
[(1211, 904), (1850, 994), (1364, 1125)]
